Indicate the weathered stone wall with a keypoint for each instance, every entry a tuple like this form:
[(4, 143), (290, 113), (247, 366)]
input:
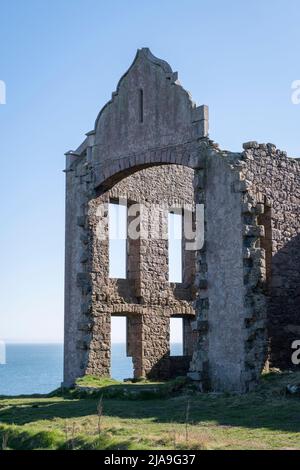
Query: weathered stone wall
[(231, 321), (77, 298), (146, 297), (168, 115), (150, 152), (230, 315), (275, 183), (224, 256)]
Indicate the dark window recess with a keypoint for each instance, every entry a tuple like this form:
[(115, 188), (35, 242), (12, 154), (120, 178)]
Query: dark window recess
[(265, 219), (141, 105)]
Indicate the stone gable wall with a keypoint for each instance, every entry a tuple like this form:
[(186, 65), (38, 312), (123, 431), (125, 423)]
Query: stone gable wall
[(244, 277)]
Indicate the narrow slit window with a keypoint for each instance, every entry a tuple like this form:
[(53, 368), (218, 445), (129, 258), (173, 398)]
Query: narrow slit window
[(176, 337), (117, 216), (175, 247), (141, 105)]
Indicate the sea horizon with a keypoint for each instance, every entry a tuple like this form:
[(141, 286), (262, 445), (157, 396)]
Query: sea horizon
[(37, 367)]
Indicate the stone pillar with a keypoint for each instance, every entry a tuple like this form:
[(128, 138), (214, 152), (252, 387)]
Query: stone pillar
[(188, 337), (148, 343), (199, 367), (188, 255), (133, 258), (99, 351), (154, 255), (76, 284), (135, 344), (156, 345)]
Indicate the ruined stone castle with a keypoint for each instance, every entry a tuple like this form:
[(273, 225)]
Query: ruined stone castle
[(240, 292)]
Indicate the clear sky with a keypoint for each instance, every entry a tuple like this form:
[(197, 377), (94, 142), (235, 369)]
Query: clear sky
[(61, 59)]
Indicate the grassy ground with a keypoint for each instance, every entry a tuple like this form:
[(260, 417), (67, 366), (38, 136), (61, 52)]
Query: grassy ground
[(154, 416)]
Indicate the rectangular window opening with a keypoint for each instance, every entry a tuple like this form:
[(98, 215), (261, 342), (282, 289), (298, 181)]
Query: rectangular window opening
[(175, 247), (176, 336), (117, 228), (121, 364)]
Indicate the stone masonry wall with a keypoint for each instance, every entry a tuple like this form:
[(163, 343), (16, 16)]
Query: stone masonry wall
[(150, 144), (146, 297), (218, 179), (230, 303), (275, 184)]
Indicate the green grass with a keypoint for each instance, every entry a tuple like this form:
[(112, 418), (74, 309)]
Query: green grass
[(264, 419), (90, 386), (92, 381)]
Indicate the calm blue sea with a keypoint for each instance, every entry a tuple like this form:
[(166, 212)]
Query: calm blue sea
[(38, 368)]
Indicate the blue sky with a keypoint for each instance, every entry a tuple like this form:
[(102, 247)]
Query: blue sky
[(61, 59)]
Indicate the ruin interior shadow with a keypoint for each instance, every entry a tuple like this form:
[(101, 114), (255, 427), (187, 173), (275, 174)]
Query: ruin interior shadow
[(284, 304)]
